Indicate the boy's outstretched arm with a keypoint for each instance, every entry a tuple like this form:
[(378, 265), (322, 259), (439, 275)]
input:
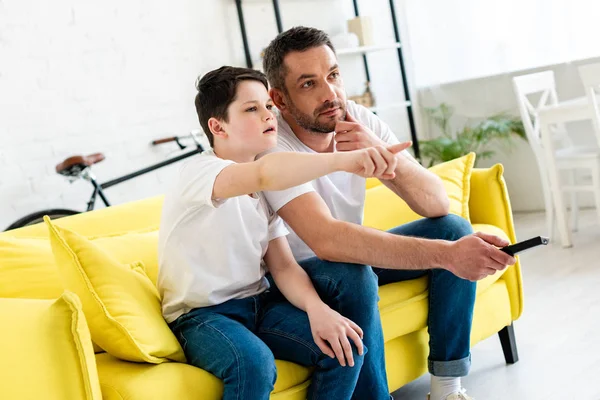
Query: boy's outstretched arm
[(278, 171), (331, 331)]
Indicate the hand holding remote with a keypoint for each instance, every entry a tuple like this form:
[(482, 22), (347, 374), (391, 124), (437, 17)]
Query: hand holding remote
[(525, 245), (476, 256)]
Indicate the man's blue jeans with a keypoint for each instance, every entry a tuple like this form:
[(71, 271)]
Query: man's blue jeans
[(238, 341), (451, 302), (451, 299)]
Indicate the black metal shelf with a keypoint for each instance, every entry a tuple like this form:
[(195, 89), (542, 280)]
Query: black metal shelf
[(398, 45)]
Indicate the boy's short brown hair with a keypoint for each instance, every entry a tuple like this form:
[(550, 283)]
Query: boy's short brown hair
[(217, 90)]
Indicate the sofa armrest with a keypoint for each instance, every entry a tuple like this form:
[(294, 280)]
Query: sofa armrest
[(46, 350), (489, 204)]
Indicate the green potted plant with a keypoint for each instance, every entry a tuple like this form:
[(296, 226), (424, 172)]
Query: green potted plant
[(482, 137)]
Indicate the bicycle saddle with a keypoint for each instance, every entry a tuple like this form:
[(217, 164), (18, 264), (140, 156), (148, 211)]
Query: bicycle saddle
[(73, 166)]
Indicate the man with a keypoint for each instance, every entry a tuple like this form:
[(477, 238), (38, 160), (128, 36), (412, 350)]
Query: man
[(315, 116)]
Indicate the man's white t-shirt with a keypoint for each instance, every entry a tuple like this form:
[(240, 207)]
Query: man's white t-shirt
[(211, 251), (344, 193)]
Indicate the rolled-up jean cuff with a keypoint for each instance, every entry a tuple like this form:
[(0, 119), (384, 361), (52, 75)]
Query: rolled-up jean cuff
[(454, 369)]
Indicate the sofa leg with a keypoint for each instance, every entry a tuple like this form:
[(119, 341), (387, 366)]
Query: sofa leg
[(509, 344)]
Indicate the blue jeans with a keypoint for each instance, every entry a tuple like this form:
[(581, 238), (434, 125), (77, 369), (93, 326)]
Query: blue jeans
[(238, 341), (451, 299), (352, 290), (451, 302)]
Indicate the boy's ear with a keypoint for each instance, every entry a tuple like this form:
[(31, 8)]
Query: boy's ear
[(216, 128), (278, 98)]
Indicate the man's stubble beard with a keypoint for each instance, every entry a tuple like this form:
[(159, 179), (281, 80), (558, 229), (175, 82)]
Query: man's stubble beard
[(311, 124)]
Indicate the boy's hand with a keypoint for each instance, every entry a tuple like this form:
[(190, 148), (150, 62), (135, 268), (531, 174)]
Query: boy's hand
[(378, 162), (331, 332)]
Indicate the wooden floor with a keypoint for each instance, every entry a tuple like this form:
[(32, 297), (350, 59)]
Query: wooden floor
[(558, 335)]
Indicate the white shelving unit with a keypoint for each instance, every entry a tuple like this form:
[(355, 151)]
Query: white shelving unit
[(367, 49), (363, 50)]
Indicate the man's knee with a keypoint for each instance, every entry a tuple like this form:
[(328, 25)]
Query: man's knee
[(354, 279), (452, 227), (327, 362), (344, 281)]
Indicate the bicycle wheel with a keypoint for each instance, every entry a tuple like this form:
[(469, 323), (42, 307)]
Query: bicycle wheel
[(37, 217)]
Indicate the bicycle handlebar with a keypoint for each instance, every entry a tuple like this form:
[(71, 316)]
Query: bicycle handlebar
[(164, 140), (194, 135)]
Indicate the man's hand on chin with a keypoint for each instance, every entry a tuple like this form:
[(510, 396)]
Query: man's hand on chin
[(352, 135)]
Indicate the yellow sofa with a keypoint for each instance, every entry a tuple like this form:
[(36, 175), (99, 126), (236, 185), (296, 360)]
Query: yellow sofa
[(129, 232)]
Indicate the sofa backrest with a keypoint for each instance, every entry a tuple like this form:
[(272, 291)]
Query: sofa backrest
[(130, 233)]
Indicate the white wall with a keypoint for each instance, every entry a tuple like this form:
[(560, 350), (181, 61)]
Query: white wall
[(466, 39), (478, 98), (83, 76), (465, 53), (86, 76)]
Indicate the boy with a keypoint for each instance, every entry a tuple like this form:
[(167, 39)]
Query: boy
[(218, 238)]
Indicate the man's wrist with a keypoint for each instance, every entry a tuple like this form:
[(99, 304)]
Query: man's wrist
[(440, 252)]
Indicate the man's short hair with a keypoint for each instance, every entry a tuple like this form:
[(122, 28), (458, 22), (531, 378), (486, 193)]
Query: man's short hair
[(217, 90), (299, 38)]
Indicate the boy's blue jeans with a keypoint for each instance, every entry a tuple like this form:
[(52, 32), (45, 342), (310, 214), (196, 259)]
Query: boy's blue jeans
[(238, 341)]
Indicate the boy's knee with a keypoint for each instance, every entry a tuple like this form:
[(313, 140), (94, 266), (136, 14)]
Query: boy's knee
[(261, 366), (253, 364)]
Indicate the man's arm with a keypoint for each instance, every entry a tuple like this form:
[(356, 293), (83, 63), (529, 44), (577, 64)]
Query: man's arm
[(422, 190), (330, 330), (472, 257)]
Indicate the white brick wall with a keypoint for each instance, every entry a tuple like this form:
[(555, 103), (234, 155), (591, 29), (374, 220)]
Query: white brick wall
[(84, 76), (78, 77)]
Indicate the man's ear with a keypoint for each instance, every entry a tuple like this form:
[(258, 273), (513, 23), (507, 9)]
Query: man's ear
[(278, 98), (216, 128)]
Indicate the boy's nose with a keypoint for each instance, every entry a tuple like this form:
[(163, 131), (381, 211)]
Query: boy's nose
[(268, 116)]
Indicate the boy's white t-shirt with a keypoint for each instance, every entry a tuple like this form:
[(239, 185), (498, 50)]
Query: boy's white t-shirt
[(344, 193), (211, 251)]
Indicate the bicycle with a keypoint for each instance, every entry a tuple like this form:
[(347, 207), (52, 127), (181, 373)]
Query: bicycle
[(80, 167)]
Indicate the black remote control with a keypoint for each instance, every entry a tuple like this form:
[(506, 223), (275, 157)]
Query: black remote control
[(524, 245)]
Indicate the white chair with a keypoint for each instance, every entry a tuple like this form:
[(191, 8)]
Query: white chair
[(553, 149), (590, 76)]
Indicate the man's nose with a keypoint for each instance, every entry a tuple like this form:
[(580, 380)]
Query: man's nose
[(328, 93)]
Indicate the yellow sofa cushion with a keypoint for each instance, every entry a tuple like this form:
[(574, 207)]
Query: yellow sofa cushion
[(27, 269), (30, 262), (133, 247), (385, 210), (46, 350), (120, 302), (126, 380)]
